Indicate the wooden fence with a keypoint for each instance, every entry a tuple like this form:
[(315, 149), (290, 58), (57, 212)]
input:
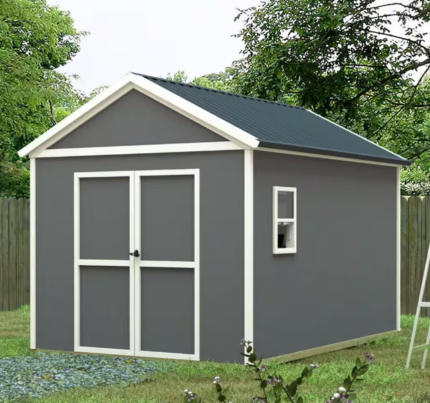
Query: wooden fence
[(14, 253), (415, 238)]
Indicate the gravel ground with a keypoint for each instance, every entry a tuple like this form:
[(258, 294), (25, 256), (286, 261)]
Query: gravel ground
[(47, 373)]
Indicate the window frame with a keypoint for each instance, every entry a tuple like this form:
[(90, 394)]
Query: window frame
[(276, 220)]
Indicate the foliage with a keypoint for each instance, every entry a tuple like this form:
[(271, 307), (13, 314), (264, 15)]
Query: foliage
[(273, 387), (414, 181), (14, 179), (217, 81), (414, 174), (35, 39), (340, 59)]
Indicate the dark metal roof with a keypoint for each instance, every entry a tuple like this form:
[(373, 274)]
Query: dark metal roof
[(281, 126)]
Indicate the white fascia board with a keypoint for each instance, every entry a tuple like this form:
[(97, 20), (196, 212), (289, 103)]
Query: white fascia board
[(78, 117), (154, 91)]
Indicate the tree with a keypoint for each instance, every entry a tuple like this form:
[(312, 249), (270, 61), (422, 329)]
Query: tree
[(218, 81), (340, 59), (35, 39)]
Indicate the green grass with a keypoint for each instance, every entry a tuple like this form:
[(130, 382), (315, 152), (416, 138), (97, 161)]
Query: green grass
[(14, 332), (386, 381)]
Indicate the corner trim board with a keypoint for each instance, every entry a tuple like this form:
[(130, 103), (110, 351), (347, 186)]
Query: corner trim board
[(398, 251), (249, 245), (142, 149), (32, 253)]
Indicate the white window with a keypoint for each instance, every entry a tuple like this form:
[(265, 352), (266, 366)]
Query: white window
[(284, 220)]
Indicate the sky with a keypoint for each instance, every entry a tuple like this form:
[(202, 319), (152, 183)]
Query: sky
[(154, 37)]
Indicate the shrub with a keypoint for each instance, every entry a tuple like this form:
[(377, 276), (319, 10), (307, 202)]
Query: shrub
[(274, 389)]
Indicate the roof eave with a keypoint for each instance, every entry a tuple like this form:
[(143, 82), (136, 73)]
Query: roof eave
[(359, 157)]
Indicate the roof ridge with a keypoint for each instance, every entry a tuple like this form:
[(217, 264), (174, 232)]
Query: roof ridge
[(219, 91)]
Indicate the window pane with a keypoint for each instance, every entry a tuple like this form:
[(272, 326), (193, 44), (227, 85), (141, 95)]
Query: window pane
[(285, 204), (286, 235)]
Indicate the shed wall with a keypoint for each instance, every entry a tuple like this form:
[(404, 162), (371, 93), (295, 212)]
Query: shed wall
[(222, 243), (136, 119), (341, 283)]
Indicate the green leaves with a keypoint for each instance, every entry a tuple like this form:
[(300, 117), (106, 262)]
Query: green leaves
[(292, 388), (340, 59), (347, 383), (35, 39)]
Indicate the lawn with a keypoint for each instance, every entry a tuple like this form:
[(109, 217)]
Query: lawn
[(386, 381)]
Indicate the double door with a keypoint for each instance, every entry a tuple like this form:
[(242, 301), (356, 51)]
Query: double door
[(136, 257)]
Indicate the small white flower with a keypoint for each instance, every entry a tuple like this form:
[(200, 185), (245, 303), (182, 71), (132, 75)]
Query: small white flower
[(314, 366), (342, 390), (190, 393), (186, 391), (336, 396), (215, 383), (217, 378)]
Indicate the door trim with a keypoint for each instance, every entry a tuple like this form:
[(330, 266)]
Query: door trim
[(146, 263), (91, 262)]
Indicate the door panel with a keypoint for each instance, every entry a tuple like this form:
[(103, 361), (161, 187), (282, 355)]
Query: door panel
[(167, 310), (167, 218), (104, 221), (105, 307), (167, 276), (104, 269)]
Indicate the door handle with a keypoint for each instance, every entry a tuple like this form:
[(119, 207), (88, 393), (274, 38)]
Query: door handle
[(135, 253)]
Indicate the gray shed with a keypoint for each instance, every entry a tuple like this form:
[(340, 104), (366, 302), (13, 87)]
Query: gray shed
[(171, 221)]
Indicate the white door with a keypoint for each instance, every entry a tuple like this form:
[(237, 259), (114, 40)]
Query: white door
[(167, 216), (104, 269), (136, 245)]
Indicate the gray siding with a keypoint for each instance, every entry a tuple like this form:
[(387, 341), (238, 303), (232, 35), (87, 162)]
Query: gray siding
[(136, 119), (105, 302), (167, 218), (222, 243), (104, 218), (167, 310), (341, 283)]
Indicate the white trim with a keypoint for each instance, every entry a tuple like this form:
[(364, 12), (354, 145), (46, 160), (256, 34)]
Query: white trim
[(168, 264), (104, 263), (154, 91), (104, 174), (249, 245), (78, 262), (76, 258), (108, 351), (326, 157), (146, 149), (77, 118), (32, 253), (398, 252), (276, 220), (355, 134)]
